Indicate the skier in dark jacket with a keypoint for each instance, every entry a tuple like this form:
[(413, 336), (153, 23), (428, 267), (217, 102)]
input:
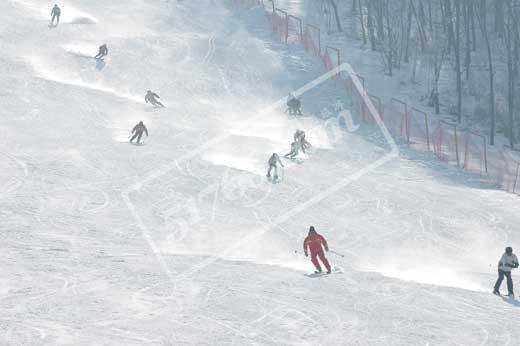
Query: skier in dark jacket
[(103, 51), (55, 13), (294, 105), (138, 132), (507, 262), (316, 243), (152, 97)]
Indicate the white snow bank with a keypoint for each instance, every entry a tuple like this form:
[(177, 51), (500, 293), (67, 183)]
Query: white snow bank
[(434, 276), (73, 77), (271, 132), (69, 14), (85, 49)]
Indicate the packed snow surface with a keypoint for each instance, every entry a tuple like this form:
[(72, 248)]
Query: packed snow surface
[(182, 240)]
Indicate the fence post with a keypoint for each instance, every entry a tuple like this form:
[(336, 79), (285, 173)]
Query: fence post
[(440, 138), (426, 125), (466, 145), (319, 41), (456, 146), (338, 58), (299, 25), (403, 120), (318, 31), (485, 155), (427, 131), (286, 27), (516, 177)]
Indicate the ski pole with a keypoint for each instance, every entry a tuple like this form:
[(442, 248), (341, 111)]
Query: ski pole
[(336, 253)]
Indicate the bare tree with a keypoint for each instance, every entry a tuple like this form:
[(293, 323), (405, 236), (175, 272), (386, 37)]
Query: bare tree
[(362, 21), (482, 19), (511, 42), (336, 14), (370, 24)]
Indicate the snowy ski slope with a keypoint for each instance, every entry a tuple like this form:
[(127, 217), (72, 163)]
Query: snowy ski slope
[(182, 241)]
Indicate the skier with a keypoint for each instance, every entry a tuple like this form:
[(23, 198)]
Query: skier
[(138, 132), (151, 98), (103, 51), (295, 149), (315, 242), (507, 262), (274, 160), (299, 136), (294, 104), (55, 13)]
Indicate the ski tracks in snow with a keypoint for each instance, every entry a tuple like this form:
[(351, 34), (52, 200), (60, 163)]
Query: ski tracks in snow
[(16, 181), (211, 49)]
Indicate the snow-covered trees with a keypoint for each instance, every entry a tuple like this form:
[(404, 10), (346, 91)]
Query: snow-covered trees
[(469, 48)]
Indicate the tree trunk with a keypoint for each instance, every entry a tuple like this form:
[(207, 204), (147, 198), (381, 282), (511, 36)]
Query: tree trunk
[(336, 15), (362, 21), (457, 61), (370, 24), (447, 19), (473, 31), (499, 17), (380, 25), (389, 39), (420, 27), (511, 42), (483, 28), (408, 31), (467, 61)]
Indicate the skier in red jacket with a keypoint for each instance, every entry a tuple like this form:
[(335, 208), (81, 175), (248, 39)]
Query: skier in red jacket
[(315, 242)]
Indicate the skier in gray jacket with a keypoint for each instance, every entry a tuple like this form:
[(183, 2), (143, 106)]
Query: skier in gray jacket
[(55, 13), (138, 131), (152, 97), (299, 136), (507, 262), (295, 149), (274, 160)]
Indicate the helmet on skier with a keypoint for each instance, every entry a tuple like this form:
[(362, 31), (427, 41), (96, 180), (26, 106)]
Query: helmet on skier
[(312, 230), (509, 250)]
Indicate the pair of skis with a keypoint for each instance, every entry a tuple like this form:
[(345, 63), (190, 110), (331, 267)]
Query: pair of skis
[(335, 270), (274, 180), (511, 297)]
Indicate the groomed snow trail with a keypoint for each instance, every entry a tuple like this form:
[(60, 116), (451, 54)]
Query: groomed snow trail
[(182, 241)]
